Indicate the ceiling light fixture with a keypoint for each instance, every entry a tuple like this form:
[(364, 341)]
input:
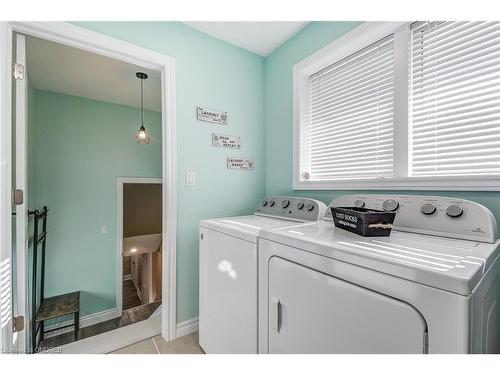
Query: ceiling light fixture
[(142, 137)]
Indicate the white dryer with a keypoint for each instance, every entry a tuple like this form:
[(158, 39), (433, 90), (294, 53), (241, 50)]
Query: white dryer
[(228, 261), (433, 286)]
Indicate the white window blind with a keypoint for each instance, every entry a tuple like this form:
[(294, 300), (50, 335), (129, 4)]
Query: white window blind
[(455, 98), (349, 131)]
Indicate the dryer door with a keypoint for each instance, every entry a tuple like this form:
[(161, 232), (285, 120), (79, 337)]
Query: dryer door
[(311, 312)]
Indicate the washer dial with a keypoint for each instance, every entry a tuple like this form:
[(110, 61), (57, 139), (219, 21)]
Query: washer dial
[(454, 210), (428, 208), (359, 203), (285, 203), (310, 206), (390, 205)]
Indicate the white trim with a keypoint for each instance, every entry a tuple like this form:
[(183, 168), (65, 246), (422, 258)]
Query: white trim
[(21, 179), (101, 44), (409, 183), (169, 230), (86, 321), (187, 327), (119, 232), (6, 334), (358, 38)]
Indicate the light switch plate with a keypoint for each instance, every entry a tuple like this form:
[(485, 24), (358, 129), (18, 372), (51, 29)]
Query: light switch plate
[(104, 229), (190, 178)]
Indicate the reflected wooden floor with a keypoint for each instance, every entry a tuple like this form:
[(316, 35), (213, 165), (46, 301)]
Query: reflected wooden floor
[(129, 316)]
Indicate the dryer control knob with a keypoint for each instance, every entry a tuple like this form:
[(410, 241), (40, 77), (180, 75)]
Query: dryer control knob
[(359, 203), (454, 210), (428, 208), (390, 205), (271, 203), (285, 203), (300, 205), (264, 203), (310, 206)]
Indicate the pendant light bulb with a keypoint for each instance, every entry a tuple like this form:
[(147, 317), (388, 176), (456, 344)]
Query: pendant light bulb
[(142, 137)]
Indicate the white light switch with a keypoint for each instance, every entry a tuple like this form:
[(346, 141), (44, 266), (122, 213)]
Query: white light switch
[(190, 178), (104, 229)]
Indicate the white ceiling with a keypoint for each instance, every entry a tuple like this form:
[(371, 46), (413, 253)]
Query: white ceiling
[(55, 67), (261, 38)]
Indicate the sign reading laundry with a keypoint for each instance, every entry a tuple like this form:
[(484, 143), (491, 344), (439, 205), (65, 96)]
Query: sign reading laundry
[(227, 141), (211, 115), (239, 163)]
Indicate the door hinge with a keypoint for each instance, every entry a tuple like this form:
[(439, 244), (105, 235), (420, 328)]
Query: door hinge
[(18, 197), (18, 323), (18, 71)]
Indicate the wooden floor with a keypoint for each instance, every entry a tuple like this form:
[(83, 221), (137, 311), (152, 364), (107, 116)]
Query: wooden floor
[(133, 315), (130, 298)]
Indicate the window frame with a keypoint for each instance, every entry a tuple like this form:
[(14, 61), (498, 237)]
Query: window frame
[(355, 40)]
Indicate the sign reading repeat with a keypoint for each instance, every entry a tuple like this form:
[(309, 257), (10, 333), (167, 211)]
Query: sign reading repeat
[(211, 115)]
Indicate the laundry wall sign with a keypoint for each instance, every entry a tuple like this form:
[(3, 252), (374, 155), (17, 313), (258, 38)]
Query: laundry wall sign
[(239, 163), (226, 141), (211, 115)]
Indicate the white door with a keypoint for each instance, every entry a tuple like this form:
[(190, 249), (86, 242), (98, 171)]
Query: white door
[(311, 312), (13, 176), (21, 183), (228, 293), (6, 312)]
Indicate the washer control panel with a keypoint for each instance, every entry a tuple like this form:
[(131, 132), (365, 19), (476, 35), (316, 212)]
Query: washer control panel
[(441, 216), (300, 209)]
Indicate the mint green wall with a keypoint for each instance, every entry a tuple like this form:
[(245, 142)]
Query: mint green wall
[(79, 148), (215, 74), (278, 116)]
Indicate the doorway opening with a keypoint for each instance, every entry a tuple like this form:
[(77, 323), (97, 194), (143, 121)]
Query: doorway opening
[(70, 35), (82, 132), (140, 248)]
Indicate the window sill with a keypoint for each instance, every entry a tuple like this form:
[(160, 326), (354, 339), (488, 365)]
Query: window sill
[(414, 183)]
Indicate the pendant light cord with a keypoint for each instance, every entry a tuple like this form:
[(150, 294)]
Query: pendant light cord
[(142, 103)]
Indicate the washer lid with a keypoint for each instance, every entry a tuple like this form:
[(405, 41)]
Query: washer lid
[(448, 264), (246, 227)]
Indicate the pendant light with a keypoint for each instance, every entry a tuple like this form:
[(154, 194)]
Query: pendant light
[(142, 137)]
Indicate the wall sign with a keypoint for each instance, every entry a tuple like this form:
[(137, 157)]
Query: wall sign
[(227, 141), (239, 163), (211, 115)]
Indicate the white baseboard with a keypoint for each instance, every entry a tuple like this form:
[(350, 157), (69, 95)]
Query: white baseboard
[(186, 327), (85, 321)]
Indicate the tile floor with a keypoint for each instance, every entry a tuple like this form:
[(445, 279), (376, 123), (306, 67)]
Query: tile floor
[(156, 345)]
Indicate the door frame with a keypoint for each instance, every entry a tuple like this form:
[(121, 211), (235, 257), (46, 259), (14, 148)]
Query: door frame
[(21, 181), (78, 37), (120, 181)]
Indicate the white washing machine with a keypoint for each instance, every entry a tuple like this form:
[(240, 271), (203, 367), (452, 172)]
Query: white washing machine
[(228, 271), (433, 286)]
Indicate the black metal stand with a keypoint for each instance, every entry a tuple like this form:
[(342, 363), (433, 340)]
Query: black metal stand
[(38, 239), (52, 307)]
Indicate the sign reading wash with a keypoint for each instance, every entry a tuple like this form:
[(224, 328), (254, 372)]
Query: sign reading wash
[(227, 141), (239, 163), (211, 115)]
